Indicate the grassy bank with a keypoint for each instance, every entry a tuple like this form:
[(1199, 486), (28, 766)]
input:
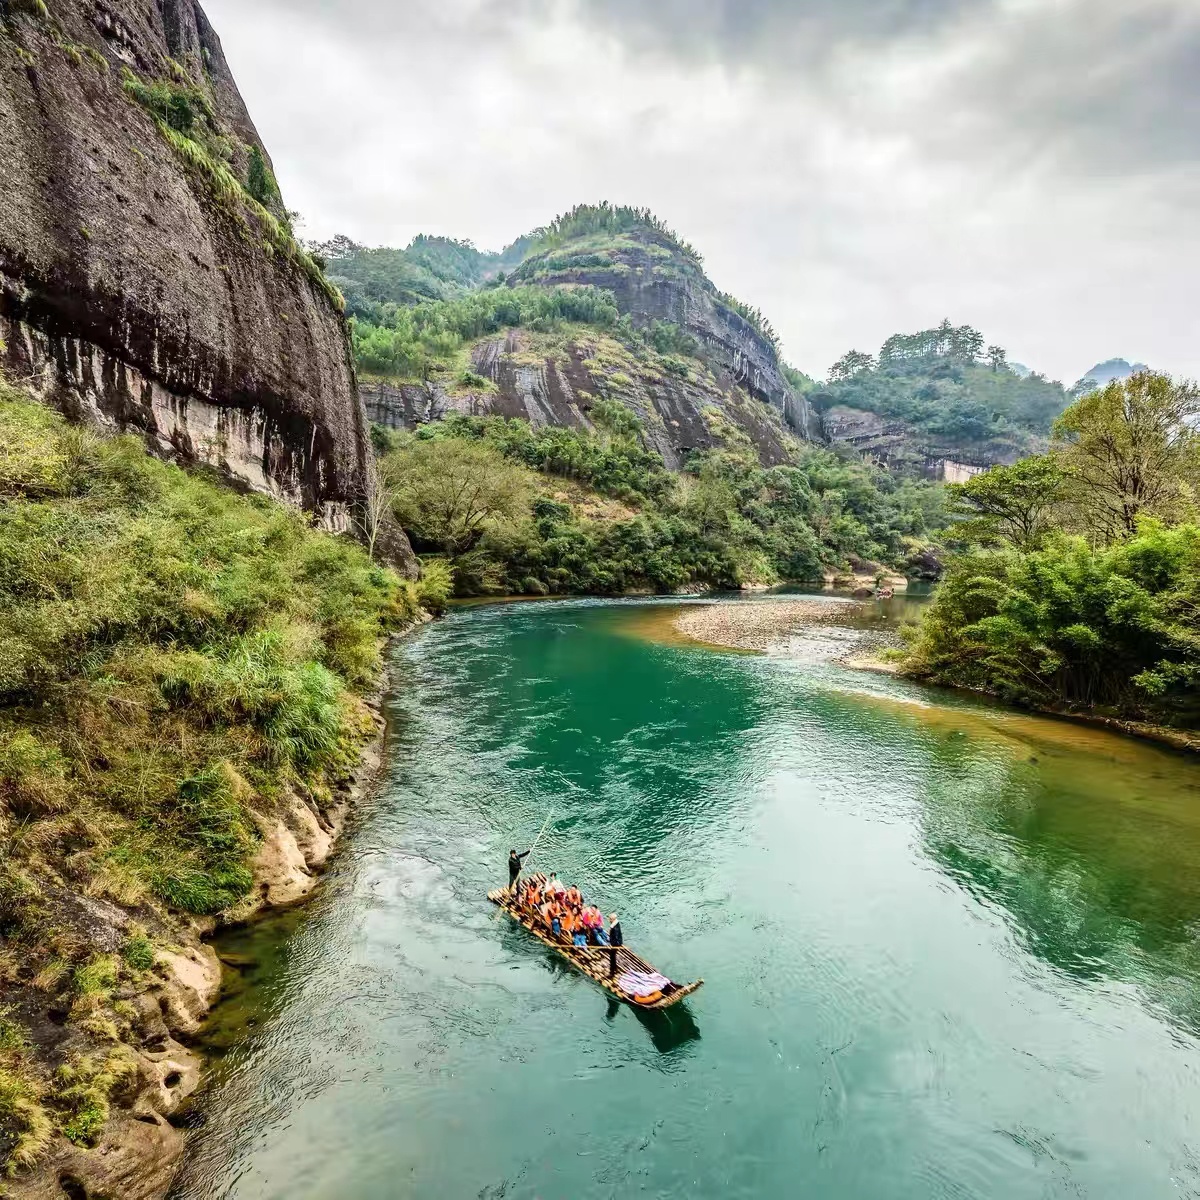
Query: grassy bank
[(175, 661)]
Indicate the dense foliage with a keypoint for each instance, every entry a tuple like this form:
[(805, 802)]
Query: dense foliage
[(451, 284), (172, 655), (604, 221), (1113, 627), (412, 343), (724, 523), (948, 386), (1082, 589), (430, 268)]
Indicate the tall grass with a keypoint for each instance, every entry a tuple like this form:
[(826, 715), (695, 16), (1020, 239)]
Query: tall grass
[(172, 657)]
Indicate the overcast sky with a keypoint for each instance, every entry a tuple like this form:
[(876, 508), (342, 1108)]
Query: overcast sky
[(853, 167)]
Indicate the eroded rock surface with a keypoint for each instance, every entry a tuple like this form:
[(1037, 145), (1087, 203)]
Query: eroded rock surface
[(895, 443), (680, 414), (132, 292), (725, 384)]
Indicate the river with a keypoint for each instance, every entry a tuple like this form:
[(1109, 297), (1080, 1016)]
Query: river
[(949, 950)]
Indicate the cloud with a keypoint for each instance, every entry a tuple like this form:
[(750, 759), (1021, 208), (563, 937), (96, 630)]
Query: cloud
[(852, 168)]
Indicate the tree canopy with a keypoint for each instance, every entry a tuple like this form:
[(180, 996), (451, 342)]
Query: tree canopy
[(952, 390), (1133, 449), (1080, 587)]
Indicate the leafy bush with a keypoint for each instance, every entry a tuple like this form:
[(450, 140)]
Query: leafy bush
[(731, 523), (436, 585), (1074, 626), (410, 343)]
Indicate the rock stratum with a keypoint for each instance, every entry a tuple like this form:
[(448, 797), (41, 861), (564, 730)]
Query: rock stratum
[(729, 384), (142, 287)]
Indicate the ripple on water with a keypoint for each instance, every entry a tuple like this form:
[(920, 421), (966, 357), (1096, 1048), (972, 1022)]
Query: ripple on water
[(951, 951)]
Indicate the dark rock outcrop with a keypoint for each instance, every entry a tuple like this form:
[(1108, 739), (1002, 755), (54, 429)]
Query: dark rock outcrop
[(652, 280), (133, 293), (894, 443), (678, 414)]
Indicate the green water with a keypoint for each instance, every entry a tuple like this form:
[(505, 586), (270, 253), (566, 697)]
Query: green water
[(949, 951)]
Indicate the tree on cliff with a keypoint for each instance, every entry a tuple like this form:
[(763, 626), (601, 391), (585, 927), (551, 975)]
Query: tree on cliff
[(260, 182), (850, 365)]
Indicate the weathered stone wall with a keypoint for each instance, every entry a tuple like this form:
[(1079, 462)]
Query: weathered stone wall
[(650, 283), (896, 444), (137, 299), (678, 415)]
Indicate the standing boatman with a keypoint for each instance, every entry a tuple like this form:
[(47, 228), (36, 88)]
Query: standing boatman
[(616, 939), (514, 868)]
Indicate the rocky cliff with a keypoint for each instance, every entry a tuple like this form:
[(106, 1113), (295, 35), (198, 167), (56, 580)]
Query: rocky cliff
[(698, 369), (549, 382), (900, 446), (143, 287), (653, 280)]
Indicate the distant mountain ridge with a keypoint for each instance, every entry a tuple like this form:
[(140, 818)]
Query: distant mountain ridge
[(1109, 371)]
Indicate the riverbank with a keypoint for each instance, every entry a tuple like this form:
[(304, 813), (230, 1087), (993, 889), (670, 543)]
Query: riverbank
[(899, 882), (138, 1151), (765, 627)]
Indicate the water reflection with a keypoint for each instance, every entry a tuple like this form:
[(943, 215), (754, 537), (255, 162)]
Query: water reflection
[(1087, 842), (671, 1031), (911, 914)]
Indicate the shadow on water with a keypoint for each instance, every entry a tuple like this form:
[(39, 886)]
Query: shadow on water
[(671, 1030)]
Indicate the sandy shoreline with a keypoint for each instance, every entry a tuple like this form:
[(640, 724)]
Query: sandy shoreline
[(759, 625)]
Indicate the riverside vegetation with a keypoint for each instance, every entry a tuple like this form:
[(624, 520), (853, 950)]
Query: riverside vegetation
[(1082, 586), (510, 508), (175, 658)]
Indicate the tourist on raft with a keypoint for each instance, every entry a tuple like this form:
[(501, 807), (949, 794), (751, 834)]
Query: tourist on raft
[(561, 910)]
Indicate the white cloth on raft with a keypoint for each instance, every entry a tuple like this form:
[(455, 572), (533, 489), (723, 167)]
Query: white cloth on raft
[(642, 983)]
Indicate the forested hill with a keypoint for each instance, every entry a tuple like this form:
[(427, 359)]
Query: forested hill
[(429, 268), (604, 303), (941, 393)]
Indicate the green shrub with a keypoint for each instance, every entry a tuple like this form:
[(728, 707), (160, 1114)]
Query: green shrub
[(84, 1086), (260, 180), (734, 523), (35, 8), (1071, 625), (138, 950), (436, 584), (172, 654)]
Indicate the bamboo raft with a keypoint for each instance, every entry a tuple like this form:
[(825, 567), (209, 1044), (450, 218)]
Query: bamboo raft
[(594, 961)]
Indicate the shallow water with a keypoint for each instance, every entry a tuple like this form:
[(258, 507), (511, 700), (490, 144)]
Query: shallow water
[(950, 951)]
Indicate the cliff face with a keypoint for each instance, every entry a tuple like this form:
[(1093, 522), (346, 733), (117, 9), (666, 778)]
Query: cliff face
[(696, 372), (141, 288), (652, 281), (558, 385), (900, 446)]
